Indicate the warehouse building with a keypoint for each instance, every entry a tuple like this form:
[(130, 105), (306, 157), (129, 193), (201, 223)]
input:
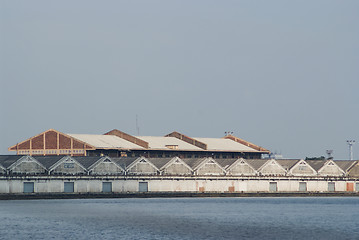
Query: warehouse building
[(96, 174)]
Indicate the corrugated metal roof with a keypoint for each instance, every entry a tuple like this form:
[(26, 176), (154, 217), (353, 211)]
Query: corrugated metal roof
[(256, 163), (225, 162), (221, 144), (193, 162), (316, 164), (48, 161), (124, 162), (159, 162), (7, 160), (87, 162), (161, 142), (345, 164), (287, 163), (105, 141)]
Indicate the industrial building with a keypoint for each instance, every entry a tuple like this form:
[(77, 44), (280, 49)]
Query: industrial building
[(104, 174), (116, 162), (116, 143)]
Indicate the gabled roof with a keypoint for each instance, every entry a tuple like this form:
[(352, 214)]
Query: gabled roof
[(64, 159), (173, 160), (91, 162), (256, 163), (48, 161), (316, 164), (142, 159), (159, 162), (23, 158), (240, 160), (226, 162), (193, 162), (124, 162), (26, 143), (105, 141), (7, 160), (271, 161), (300, 162), (345, 165), (287, 163), (87, 162), (222, 144), (209, 159), (327, 162)]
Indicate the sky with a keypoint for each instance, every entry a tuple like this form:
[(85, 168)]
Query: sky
[(281, 74)]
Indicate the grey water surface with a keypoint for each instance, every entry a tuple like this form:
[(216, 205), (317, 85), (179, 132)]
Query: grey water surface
[(181, 218)]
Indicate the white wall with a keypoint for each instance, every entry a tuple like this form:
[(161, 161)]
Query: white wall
[(158, 184)]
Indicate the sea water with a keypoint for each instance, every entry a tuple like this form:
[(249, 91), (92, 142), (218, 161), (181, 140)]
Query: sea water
[(181, 218)]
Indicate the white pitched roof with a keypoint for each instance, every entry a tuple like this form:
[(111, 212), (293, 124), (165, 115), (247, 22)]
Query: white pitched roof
[(161, 142), (105, 141), (221, 144)]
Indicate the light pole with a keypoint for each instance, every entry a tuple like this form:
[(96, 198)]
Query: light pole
[(351, 143)]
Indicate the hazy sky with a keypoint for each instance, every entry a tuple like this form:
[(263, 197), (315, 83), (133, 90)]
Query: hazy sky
[(281, 74)]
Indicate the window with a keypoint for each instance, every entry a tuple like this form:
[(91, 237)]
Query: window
[(69, 165), (172, 146)]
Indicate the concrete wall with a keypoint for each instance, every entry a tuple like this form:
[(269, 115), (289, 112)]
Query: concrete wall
[(163, 184)]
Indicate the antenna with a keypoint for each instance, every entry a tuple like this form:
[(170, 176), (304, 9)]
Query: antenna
[(228, 133), (350, 144), (329, 152), (137, 127)]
